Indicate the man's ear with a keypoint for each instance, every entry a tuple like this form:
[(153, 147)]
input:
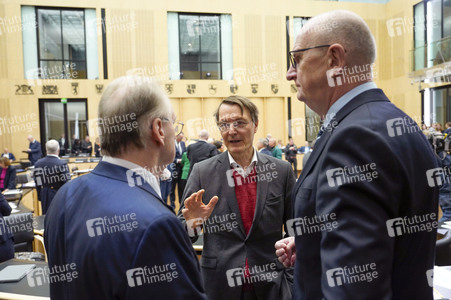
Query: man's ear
[(336, 60), (256, 126), (157, 131)]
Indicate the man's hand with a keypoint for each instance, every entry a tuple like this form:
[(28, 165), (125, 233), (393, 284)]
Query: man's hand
[(286, 251), (195, 208)]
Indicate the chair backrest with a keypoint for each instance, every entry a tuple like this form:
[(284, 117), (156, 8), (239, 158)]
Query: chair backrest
[(21, 226), (25, 164), (18, 167), (21, 178)]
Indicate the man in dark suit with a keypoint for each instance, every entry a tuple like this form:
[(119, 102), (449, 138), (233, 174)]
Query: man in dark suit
[(262, 147), (201, 150), (34, 150), (8, 155), (50, 173), (254, 190), (290, 155), (365, 205), (177, 169), (64, 145), (86, 146), (111, 226)]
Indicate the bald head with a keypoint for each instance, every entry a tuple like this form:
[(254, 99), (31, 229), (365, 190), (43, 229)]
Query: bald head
[(52, 147), (341, 27), (203, 134)]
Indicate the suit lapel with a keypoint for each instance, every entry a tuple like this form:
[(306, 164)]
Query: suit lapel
[(372, 95), (262, 191), (229, 195)]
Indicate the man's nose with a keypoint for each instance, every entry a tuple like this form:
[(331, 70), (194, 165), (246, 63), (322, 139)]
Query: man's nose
[(291, 73)]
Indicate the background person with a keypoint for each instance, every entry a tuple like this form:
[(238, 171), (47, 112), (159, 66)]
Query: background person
[(180, 148), (34, 150), (392, 182), (50, 173), (201, 150), (6, 237), (123, 191), (7, 175), (86, 146), (8, 155), (290, 154)]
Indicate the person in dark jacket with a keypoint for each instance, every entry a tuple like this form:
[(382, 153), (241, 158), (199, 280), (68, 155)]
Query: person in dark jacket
[(7, 175), (6, 237)]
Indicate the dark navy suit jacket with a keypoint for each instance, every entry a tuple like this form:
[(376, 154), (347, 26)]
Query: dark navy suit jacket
[(35, 153), (10, 156), (200, 151), (50, 173), (10, 178), (368, 130), (87, 225)]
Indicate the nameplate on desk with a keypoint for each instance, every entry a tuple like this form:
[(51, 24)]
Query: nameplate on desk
[(12, 192), (29, 185)]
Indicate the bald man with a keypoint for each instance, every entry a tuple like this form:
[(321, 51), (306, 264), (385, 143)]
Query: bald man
[(201, 150), (365, 205)]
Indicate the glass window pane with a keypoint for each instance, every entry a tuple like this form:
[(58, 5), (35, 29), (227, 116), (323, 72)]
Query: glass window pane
[(189, 38), (419, 38), (74, 35), (190, 70), (446, 18), (53, 120), (76, 119), (75, 69), (49, 34), (210, 71), (52, 70), (209, 38)]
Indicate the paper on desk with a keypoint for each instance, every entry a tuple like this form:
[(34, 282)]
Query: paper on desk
[(12, 192), (30, 184)]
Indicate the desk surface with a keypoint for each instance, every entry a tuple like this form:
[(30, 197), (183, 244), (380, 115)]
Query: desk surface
[(22, 290)]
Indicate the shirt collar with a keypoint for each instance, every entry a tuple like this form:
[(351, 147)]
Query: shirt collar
[(345, 99), (149, 177), (239, 168), (53, 155)]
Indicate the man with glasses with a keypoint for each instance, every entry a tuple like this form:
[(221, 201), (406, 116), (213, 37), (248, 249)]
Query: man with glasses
[(250, 193), (364, 193), (111, 226)]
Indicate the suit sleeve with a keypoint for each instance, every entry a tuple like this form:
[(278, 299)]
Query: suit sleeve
[(288, 207), (166, 245), (5, 209), (35, 147), (362, 209), (12, 178)]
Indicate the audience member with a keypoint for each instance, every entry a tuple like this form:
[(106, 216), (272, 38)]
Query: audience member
[(50, 173), (201, 150), (274, 148), (34, 150), (64, 145), (165, 184), (76, 147), (363, 176), (290, 154), (6, 237), (219, 146), (180, 148), (7, 175), (238, 176), (8, 155), (262, 147), (97, 148), (447, 128), (306, 148), (86, 146), (112, 224)]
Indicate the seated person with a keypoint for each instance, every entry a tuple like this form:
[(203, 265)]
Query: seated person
[(9, 155), (76, 147), (86, 146), (7, 175), (6, 237)]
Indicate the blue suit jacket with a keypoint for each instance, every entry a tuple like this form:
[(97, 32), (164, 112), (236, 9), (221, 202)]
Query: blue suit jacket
[(50, 173), (35, 153), (178, 155), (366, 132), (10, 156), (115, 231)]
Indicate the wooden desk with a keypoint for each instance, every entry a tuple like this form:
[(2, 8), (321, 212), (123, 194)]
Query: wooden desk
[(22, 289)]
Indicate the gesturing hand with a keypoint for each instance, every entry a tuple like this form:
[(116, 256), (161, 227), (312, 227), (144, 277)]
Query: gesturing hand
[(286, 251), (195, 208)]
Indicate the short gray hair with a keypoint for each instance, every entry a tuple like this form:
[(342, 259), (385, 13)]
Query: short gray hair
[(140, 97), (52, 147)]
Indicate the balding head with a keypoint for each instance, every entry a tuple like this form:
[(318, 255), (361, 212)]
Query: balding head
[(203, 134), (345, 28), (52, 147)]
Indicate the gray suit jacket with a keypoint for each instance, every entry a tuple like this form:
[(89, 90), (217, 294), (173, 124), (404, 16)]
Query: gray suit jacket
[(226, 245)]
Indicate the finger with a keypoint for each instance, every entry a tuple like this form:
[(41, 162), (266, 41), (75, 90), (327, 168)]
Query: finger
[(199, 195), (213, 202)]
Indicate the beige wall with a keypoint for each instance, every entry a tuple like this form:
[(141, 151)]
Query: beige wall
[(259, 43)]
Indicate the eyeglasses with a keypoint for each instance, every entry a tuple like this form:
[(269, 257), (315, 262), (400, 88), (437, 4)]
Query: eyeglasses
[(293, 59), (224, 126), (178, 125)]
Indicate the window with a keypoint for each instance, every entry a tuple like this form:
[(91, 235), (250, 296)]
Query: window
[(59, 43), (200, 46)]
